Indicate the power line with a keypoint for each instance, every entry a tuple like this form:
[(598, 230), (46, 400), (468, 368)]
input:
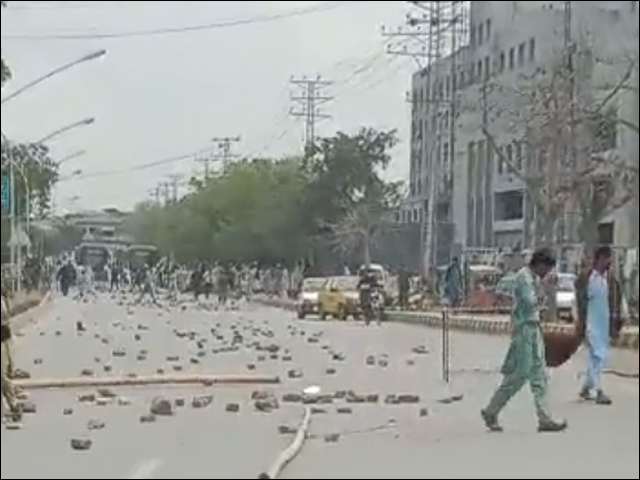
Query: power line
[(360, 69), (308, 101), (144, 166), (55, 5), (203, 155), (190, 28)]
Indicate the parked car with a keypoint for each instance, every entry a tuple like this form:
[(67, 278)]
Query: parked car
[(308, 302), (566, 296)]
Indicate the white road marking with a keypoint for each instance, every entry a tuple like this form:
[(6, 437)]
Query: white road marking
[(145, 469)]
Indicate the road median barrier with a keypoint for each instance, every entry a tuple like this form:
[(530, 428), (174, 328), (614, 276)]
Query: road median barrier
[(628, 338), (489, 324), (88, 382)]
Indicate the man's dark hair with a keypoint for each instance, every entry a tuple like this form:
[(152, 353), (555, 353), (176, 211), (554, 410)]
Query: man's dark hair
[(543, 257), (604, 251)]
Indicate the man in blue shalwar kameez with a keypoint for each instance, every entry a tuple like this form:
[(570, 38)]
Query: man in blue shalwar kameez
[(598, 326), (525, 362)]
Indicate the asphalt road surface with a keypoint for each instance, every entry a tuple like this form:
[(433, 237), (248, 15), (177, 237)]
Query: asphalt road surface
[(428, 439)]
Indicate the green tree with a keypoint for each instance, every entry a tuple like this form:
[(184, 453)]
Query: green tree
[(35, 175), (250, 212), (344, 167), (280, 211), (5, 73)]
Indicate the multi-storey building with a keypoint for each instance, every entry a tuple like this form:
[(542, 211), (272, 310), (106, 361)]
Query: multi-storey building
[(479, 202)]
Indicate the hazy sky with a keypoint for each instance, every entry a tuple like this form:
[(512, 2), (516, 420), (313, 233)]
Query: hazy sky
[(161, 96)]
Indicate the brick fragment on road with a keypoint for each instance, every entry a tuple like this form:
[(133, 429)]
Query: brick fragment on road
[(81, 444), (202, 401), (161, 407), (357, 392)]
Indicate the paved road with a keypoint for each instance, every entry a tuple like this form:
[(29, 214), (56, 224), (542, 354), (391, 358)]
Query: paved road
[(375, 441)]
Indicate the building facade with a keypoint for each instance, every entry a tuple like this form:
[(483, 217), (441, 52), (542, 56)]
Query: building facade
[(485, 202)]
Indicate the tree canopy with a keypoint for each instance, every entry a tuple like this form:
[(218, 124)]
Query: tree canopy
[(5, 73), (282, 211)]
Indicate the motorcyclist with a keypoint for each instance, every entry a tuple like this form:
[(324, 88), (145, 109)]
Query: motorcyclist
[(367, 285)]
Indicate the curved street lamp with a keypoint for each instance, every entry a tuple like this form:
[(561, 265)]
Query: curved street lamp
[(75, 174), (86, 58), (72, 156), (82, 123)]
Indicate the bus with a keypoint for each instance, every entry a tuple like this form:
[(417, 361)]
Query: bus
[(142, 254)]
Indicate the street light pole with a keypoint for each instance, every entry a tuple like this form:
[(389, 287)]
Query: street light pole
[(87, 58), (82, 123), (12, 219), (73, 156), (17, 230)]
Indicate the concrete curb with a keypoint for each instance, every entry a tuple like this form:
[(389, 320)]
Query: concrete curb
[(628, 339)]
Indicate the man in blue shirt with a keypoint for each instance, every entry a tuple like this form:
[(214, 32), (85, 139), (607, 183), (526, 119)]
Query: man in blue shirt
[(598, 325)]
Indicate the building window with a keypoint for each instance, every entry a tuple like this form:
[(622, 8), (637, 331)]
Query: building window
[(472, 36), (487, 68), (509, 206), (509, 158), (532, 50), (521, 54), (487, 29), (480, 34), (501, 163), (479, 70), (502, 62), (512, 58)]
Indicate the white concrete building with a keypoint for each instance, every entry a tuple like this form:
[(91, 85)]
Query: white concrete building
[(508, 43)]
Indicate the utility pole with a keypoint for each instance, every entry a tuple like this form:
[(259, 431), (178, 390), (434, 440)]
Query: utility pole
[(568, 223), (225, 152), (174, 183), (155, 195), (165, 189), (307, 105), (206, 166), (433, 38)]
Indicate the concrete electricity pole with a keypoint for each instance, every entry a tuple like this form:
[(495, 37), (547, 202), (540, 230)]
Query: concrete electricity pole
[(174, 183), (433, 37), (206, 166), (165, 188), (155, 195), (308, 100), (225, 146)]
